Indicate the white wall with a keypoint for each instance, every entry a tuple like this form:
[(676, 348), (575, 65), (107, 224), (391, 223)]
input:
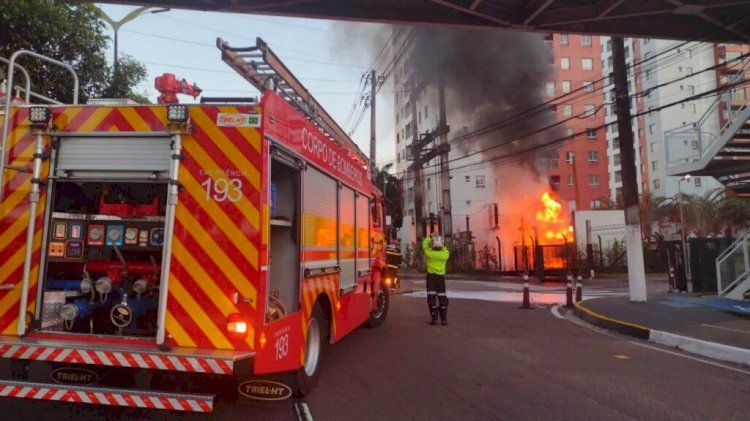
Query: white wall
[(609, 225)]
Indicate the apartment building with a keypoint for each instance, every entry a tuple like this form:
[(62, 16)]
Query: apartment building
[(579, 172)]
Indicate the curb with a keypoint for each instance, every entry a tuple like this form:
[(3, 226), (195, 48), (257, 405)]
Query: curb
[(694, 346), (631, 329)]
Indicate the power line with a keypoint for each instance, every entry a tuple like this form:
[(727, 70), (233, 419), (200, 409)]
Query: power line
[(554, 142)]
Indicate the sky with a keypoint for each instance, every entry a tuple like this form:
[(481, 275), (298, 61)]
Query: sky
[(328, 57)]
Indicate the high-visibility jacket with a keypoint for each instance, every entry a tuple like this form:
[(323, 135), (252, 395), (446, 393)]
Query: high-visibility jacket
[(435, 259)]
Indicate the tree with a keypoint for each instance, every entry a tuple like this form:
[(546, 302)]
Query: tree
[(70, 33)]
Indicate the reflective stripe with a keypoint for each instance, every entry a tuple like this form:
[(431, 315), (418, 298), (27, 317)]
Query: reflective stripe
[(431, 292), (442, 294)]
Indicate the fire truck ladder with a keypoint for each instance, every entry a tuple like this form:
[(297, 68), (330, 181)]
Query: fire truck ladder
[(264, 70)]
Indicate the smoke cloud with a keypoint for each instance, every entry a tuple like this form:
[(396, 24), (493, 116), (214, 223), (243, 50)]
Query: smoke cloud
[(490, 76)]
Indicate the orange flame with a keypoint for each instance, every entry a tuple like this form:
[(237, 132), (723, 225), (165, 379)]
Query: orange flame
[(553, 226)]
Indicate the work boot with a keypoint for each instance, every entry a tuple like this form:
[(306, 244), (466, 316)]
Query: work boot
[(433, 315), (444, 316)]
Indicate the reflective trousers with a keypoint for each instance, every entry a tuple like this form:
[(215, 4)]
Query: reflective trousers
[(437, 300)]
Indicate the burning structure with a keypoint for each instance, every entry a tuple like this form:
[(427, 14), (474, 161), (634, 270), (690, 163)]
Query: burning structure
[(487, 87)]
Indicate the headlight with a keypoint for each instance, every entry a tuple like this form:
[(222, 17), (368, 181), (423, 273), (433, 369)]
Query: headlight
[(140, 286), (177, 113), (103, 285), (69, 312), (39, 115)]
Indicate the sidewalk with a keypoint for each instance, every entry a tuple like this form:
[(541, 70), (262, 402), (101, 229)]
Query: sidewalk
[(708, 326)]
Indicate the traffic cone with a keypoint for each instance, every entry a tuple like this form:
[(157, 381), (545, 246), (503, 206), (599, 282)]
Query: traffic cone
[(526, 300), (579, 288), (569, 291)]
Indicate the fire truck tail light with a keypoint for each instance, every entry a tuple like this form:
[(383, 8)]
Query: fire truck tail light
[(177, 113), (263, 340), (237, 326), (388, 281), (39, 115)]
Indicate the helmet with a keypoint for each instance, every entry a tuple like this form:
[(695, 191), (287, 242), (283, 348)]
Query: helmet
[(436, 242)]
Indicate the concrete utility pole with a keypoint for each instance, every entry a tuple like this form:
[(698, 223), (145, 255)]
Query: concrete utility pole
[(373, 87), (416, 149), (445, 179), (633, 241)]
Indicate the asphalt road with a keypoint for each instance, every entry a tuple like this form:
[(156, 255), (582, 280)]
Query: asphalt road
[(493, 361)]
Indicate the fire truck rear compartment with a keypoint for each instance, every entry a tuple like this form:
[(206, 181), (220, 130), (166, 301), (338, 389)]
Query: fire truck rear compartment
[(104, 255), (105, 224)]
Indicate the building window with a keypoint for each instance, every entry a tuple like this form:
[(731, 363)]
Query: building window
[(643, 169), (587, 63), (467, 178), (588, 86), (589, 110), (586, 40), (398, 137), (593, 157), (565, 63), (568, 131), (572, 205), (563, 39), (429, 183), (654, 147), (596, 204), (426, 115), (651, 128), (398, 157), (698, 182), (594, 180), (566, 86), (590, 133), (550, 89), (609, 45), (554, 181), (567, 110), (479, 182), (569, 157), (571, 181), (618, 176), (657, 184), (617, 159)]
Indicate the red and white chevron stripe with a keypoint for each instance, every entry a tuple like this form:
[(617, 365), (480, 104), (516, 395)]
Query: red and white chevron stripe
[(155, 361), (112, 397)]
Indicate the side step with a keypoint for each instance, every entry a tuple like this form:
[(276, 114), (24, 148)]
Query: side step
[(106, 396)]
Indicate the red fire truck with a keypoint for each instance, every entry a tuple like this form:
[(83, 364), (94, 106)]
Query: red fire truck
[(167, 256)]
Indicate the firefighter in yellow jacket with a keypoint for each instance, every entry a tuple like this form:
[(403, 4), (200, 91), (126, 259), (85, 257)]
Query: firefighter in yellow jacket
[(436, 256)]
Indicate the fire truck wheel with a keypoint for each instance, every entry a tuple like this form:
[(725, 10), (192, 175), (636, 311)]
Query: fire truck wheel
[(377, 314), (317, 337)]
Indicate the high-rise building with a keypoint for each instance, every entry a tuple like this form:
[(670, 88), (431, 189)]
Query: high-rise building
[(579, 171)]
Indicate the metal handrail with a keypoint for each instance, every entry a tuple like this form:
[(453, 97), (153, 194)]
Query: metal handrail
[(741, 243), (26, 75), (695, 128), (9, 92)]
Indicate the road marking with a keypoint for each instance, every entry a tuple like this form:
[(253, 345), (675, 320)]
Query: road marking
[(556, 312), (622, 357), (726, 328), (700, 360), (302, 411)]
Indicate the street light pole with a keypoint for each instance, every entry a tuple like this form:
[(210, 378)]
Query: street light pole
[(685, 256), (116, 25)]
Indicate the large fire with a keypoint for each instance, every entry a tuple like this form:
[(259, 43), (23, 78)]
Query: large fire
[(552, 226)]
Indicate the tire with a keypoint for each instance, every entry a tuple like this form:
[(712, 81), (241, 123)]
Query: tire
[(377, 315), (317, 339)]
